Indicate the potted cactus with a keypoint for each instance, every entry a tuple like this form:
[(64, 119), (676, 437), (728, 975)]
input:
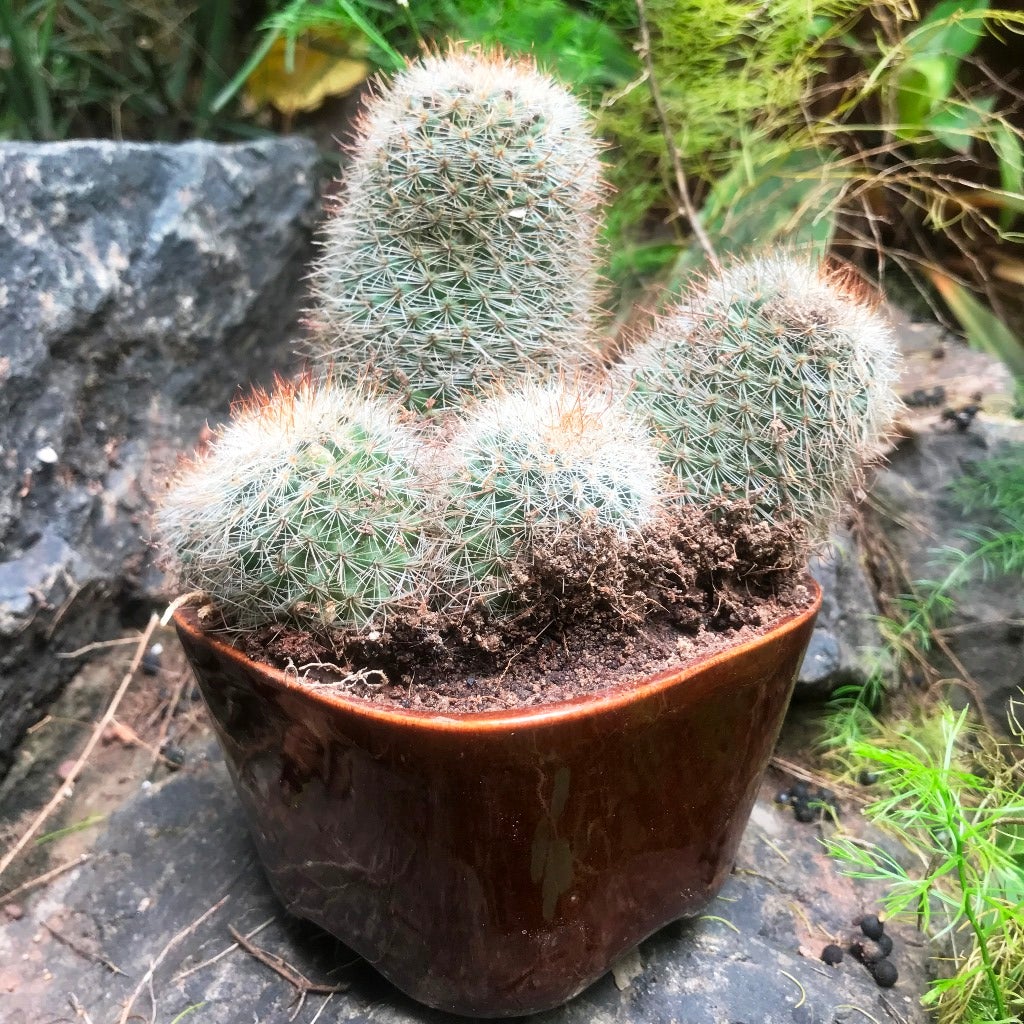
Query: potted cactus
[(497, 639)]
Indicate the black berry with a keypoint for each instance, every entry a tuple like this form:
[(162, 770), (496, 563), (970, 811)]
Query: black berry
[(885, 974), (832, 955), (174, 754), (866, 778), (804, 812), (871, 926)]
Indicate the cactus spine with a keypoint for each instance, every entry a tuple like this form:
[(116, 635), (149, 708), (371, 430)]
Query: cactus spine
[(532, 465), (772, 385), (464, 250), (307, 509)]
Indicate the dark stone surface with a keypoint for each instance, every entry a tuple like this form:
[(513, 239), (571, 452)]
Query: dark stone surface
[(140, 285), (919, 514), (846, 646), (176, 849)]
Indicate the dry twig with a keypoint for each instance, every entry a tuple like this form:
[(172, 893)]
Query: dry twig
[(147, 979), (86, 954), (84, 756), (224, 952), (42, 879), (302, 985)]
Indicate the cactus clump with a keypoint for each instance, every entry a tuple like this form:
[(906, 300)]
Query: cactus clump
[(307, 509), (465, 247), (772, 385), (535, 465)]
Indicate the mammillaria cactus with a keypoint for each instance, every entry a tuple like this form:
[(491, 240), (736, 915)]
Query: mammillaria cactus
[(773, 384), (534, 464), (465, 247), (307, 509)]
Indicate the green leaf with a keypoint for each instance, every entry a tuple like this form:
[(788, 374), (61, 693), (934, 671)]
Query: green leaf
[(945, 32), (1006, 144), (923, 83), (779, 197), (982, 328), (957, 125)]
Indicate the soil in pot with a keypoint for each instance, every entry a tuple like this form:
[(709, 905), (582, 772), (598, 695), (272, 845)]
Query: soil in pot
[(704, 584)]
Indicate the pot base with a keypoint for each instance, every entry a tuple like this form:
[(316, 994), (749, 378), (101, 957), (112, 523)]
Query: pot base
[(497, 864)]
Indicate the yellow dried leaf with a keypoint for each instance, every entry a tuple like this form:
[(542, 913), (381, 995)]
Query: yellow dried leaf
[(323, 66)]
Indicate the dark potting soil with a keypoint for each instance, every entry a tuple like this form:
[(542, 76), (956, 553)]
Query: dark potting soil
[(612, 615)]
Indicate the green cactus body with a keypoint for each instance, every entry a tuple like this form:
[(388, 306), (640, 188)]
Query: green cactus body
[(307, 509), (534, 464), (774, 385), (465, 247)]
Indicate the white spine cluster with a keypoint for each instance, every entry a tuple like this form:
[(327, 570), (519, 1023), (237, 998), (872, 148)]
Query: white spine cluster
[(465, 249), (308, 508), (537, 463)]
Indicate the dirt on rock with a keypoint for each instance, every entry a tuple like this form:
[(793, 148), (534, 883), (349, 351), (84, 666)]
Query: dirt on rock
[(585, 614)]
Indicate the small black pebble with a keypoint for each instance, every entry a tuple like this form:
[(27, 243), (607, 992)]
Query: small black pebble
[(800, 790), (866, 778), (151, 660), (884, 943), (832, 955), (826, 796), (804, 812), (174, 754), (884, 973), (871, 926), (782, 797)]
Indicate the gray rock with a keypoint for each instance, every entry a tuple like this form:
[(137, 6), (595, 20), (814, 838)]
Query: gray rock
[(919, 513), (846, 647), (179, 850), (140, 285)]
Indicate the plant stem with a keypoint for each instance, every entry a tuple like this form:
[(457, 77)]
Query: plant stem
[(682, 186), (954, 818)]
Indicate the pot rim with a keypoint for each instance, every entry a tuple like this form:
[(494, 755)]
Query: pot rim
[(614, 697)]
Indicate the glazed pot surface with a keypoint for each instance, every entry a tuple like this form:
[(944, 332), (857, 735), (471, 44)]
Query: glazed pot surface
[(496, 864)]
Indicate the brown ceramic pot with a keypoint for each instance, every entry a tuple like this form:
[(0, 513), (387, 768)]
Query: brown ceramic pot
[(496, 864)]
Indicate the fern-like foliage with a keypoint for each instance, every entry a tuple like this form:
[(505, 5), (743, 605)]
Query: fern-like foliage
[(729, 74)]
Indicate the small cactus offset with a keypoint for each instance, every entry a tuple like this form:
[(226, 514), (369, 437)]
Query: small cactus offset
[(465, 247), (533, 465), (774, 384), (307, 510)]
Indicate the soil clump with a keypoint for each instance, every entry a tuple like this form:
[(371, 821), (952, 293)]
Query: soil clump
[(589, 613)]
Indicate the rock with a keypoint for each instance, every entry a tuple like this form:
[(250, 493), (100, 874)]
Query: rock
[(176, 860), (846, 646), (936, 363), (917, 510), (140, 286)]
